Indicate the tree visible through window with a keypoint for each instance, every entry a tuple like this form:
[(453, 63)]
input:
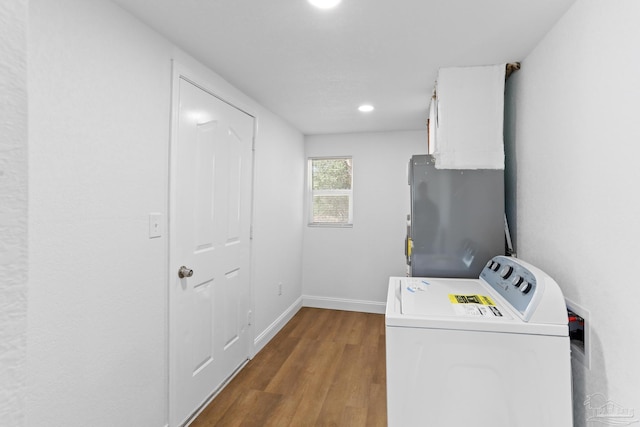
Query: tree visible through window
[(331, 190)]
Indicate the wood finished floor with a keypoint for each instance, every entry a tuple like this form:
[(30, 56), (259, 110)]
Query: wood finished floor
[(324, 368)]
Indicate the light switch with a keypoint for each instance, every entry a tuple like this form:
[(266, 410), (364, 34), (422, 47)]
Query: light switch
[(155, 225)]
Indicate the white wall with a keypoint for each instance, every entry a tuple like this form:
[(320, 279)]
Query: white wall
[(349, 268), (277, 225), (99, 94), (13, 210), (577, 101)]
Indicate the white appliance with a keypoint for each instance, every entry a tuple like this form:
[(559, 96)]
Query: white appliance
[(492, 351)]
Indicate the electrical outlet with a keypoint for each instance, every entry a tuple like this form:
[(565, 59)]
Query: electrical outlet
[(579, 333), (280, 288)]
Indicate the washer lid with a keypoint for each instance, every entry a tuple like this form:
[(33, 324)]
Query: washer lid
[(449, 298), (461, 304)]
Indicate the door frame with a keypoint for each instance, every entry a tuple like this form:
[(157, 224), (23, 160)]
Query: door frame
[(207, 84)]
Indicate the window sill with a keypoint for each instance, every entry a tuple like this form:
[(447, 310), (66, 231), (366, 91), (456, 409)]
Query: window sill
[(328, 225)]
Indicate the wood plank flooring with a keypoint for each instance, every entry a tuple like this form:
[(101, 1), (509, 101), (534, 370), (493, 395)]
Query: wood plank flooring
[(324, 368)]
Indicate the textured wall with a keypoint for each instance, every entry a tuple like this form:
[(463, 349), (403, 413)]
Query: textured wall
[(577, 98), (99, 105), (343, 265), (278, 220), (99, 91), (13, 209)]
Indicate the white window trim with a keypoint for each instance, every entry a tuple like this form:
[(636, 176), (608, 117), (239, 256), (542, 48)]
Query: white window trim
[(311, 193)]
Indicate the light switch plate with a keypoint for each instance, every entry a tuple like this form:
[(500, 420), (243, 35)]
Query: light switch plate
[(155, 225)]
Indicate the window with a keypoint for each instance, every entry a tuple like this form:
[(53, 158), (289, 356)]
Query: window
[(331, 194)]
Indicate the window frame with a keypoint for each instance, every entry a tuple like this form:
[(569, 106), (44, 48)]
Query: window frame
[(311, 193)]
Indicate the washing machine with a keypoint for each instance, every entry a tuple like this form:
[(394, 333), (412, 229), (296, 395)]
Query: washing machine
[(486, 352)]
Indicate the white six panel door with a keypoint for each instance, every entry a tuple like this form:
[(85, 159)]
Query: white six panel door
[(211, 205)]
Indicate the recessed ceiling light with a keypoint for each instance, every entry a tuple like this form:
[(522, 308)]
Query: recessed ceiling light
[(366, 108), (325, 4)]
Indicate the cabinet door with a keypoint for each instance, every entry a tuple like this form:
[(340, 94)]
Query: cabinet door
[(469, 118)]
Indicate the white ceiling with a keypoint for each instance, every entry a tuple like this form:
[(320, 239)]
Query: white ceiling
[(314, 67)]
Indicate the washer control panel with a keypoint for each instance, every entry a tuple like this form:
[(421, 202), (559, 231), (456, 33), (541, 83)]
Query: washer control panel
[(512, 280)]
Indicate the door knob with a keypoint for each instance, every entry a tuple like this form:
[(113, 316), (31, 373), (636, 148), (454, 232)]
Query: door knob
[(185, 272)]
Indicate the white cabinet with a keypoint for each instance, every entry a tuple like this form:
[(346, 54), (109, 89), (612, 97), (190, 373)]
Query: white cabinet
[(466, 118)]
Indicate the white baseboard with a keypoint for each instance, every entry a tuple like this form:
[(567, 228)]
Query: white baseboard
[(275, 327), (343, 304)]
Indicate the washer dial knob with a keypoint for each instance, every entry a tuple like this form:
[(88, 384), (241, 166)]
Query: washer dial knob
[(506, 271), (526, 287), (517, 281)]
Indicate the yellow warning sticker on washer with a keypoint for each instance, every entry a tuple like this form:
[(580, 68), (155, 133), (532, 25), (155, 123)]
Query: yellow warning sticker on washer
[(474, 305), (471, 299)]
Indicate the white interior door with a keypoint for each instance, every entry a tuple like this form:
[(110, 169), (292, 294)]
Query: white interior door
[(211, 206)]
